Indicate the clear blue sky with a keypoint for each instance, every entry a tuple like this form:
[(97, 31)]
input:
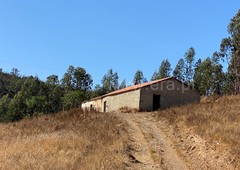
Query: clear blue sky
[(44, 37)]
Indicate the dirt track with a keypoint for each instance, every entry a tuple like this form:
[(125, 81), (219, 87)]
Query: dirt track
[(155, 145), (149, 147)]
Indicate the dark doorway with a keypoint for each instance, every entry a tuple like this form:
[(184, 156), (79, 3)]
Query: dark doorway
[(105, 106), (156, 102)]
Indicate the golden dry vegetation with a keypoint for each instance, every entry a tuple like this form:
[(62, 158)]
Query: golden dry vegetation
[(199, 136), (66, 140), (214, 123)]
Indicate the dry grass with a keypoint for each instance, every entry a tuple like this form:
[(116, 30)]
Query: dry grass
[(66, 140), (214, 119), (127, 110), (77, 140)]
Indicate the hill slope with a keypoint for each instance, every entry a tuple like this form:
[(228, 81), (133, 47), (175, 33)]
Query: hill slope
[(198, 136), (207, 133), (72, 140)]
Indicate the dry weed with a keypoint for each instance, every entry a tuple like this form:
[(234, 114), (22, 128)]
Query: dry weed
[(66, 140), (214, 119), (127, 110)]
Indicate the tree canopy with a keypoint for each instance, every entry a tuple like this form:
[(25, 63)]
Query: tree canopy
[(110, 81), (230, 51), (139, 77), (163, 71)]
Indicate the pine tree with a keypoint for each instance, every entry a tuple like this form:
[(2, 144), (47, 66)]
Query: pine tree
[(77, 79), (163, 72), (138, 77), (178, 72), (123, 84)]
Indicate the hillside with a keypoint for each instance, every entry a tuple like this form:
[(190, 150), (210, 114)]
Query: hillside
[(72, 140), (197, 136), (206, 134)]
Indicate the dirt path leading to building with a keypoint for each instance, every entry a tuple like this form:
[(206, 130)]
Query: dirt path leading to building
[(149, 147)]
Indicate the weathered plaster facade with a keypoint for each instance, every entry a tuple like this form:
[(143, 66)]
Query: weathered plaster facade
[(128, 99), (172, 92)]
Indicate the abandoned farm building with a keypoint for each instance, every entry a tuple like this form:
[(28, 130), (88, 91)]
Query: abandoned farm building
[(148, 96)]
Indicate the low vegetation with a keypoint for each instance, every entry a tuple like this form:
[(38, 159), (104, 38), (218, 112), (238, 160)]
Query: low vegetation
[(214, 119), (77, 140), (66, 140)]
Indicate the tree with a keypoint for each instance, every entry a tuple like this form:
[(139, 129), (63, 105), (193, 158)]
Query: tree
[(209, 77), (53, 98), (10, 83), (123, 84), (203, 77), (36, 104), (82, 80), (197, 77), (138, 77), (97, 91), (25, 96), (189, 64), (4, 104), (228, 86), (32, 86), (77, 79), (155, 76), (15, 72), (178, 72), (163, 72), (73, 99), (17, 107), (165, 69), (230, 51), (197, 64), (110, 81), (218, 76), (67, 82), (52, 80)]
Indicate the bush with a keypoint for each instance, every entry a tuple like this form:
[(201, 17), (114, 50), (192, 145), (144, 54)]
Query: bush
[(4, 102), (72, 99), (17, 107)]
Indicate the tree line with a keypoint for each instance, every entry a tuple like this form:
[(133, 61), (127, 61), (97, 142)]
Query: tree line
[(22, 96), (26, 96)]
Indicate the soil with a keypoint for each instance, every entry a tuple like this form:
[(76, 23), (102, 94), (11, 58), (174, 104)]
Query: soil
[(153, 144)]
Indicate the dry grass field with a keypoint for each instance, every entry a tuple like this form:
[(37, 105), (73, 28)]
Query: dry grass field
[(195, 136), (71, 140), (214, 124)]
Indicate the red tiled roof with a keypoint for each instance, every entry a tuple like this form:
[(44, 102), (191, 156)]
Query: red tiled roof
[(135, 87)]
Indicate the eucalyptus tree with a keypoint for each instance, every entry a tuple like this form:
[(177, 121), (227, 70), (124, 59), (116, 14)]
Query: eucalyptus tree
[(230, 52)]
